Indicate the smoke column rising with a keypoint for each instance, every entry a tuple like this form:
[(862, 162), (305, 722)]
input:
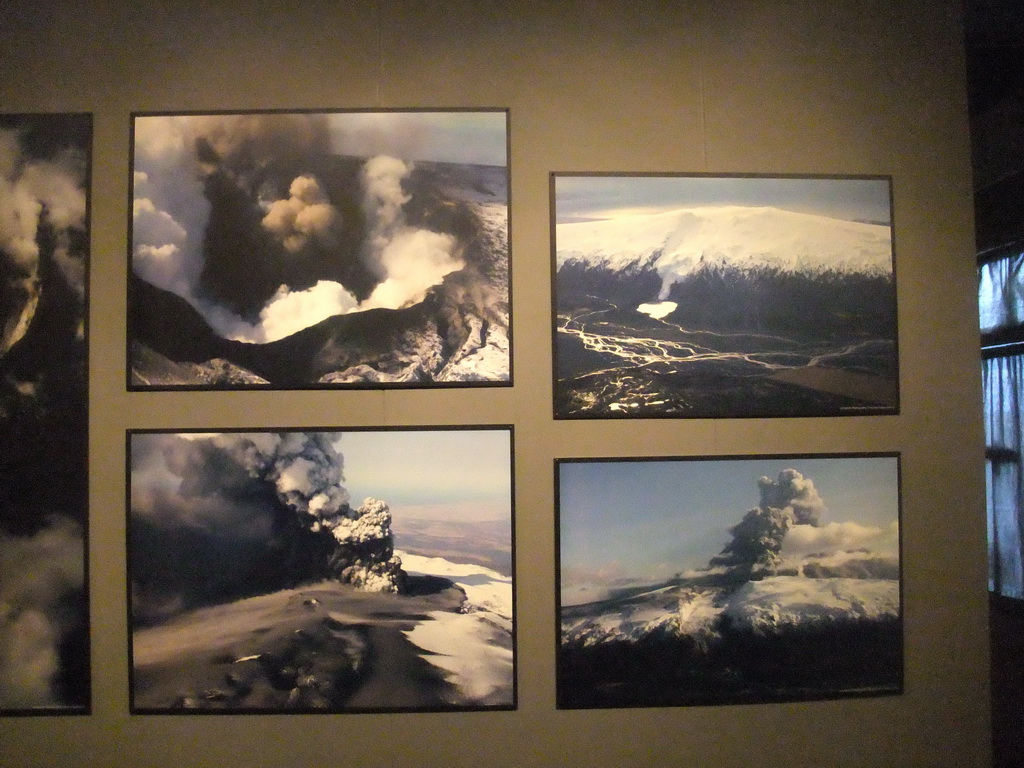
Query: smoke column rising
[(757, 539), (273, 502), (35, 192), (306, 471), (409, 261), (171, 214), (38, 576)]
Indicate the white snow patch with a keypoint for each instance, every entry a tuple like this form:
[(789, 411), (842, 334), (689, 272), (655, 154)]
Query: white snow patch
[(777, 603), (483, 357), (474, 648), (669, 609), (486, 589), (789, 601), (472, 651), (679, 241)]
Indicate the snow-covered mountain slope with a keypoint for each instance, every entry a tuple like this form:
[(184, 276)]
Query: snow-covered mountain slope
[(486, 589), (473, 648), (672, 610), (474, 655), (792, 601), (679, 241), (780, 602)]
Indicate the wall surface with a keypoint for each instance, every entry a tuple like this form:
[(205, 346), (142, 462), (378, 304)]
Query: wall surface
[(844, 87)]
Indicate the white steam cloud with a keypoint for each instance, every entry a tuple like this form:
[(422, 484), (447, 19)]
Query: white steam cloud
[(37, 575), (171, 213), (785, 534), (842, 549), (409, 261), (806, 540), (34, 192), (290, 311)]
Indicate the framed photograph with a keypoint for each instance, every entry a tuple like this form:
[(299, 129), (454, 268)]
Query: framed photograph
[(287, 571), (305, 250), (731, 580), (44, 488), (701, 296)]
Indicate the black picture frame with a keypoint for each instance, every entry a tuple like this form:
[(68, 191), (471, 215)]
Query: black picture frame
[(669, 594), (696, 295), (331, 249), (257, 585), (45, 168)]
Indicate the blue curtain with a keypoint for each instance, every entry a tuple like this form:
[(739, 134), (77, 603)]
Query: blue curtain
[(1001, 293), (1004, 415)]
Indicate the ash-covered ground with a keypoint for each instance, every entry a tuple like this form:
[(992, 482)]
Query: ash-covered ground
[(330, 647), (256, 585)]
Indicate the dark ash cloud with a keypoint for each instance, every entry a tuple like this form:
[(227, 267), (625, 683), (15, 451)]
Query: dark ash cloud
[(44, 645), (791, 499), (219, 516), (255, 222)]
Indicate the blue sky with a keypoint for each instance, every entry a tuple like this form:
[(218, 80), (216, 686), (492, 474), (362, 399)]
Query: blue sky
[(458, 137), (638, 518), (599, 197), (458, 474)]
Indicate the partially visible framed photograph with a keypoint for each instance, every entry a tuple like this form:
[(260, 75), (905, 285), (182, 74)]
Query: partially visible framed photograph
[(705, 296), (730, 580), (297, 571), (44, 421), (303, 250)]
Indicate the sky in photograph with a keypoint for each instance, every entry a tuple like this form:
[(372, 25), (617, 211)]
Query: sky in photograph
[(444, 474), (580, 198), (638, 519), (456, 137), (455, 474)]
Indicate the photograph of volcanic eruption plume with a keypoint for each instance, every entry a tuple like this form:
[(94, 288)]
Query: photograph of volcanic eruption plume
[(366, 570), (44, 420), (723, 296), (314, 250), (670, 594)]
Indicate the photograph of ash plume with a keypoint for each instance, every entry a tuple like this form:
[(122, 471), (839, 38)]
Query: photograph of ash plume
[(723, 296), (297, 571), (44, 494), (306, 250), (671, 595)]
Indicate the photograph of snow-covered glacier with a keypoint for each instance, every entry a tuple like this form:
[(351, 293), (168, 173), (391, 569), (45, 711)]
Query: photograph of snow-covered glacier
[(363, 570), (304, 250), (723, 296), (44, 413), (740, 580)]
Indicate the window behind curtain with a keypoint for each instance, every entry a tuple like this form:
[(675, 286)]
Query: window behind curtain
[(1001, 307)]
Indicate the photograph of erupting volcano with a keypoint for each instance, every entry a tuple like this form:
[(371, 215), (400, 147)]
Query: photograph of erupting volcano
[(701, 581), (698, 296), (362, 570), (44, 422), (307, 250)]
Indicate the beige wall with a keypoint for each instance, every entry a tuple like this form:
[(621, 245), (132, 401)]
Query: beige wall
[(775, 86)]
